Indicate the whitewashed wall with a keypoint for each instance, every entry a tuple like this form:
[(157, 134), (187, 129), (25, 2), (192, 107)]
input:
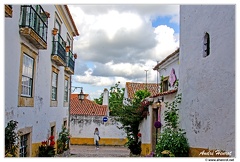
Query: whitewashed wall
[(166, 68), (84, 126), (146, 125), (207, 84), (39, 116)]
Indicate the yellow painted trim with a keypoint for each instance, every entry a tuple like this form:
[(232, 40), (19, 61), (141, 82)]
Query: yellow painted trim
[(35, 149), (24, 131), (63, 14), (69, 70), (204, 152), (103, 141), (8, 11), (146, 149), (26, 101), (66, 77), (35, 39), (58, 60), (55, 69)]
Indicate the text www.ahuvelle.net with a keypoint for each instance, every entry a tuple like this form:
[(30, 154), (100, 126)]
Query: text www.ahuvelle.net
[(219, 159)]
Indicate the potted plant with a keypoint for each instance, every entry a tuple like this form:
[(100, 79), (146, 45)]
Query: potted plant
[(75, 55), (67, 48), (54, 31)]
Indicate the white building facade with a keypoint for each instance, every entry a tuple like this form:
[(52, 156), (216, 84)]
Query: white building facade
[(168, 71), (38, 68), (207, 77)]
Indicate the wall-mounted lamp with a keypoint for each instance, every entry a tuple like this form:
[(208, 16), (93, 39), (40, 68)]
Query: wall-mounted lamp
[(80, 95), (160, 100)]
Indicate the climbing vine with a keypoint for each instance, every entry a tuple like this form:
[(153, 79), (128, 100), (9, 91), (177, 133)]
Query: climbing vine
[(172, 142)]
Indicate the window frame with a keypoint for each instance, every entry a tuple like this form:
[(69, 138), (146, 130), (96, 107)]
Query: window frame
[(165, 84), (66, 90), (206, 44), (54, 86), (30, 85), (54, 103), (27, 131), (24, 100), (25, 146)]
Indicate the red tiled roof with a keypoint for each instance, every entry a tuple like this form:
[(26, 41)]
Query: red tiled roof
[(86, 107), (165, 93), (133, 87)]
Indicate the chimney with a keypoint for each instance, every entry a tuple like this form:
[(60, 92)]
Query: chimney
[(106, 99)]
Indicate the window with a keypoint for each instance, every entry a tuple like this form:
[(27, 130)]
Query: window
[(68, 41), (27, 69), (206, 45), (23, 145), (54, 86), (52, 130), (58, 25), (65, 123), (27, 76), (66, 90), (165, 84)]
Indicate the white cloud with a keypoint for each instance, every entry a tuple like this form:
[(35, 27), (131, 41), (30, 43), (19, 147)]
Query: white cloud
[(120, 42)]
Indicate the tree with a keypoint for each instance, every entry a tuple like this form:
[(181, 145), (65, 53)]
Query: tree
[(99, 100), (116, 95), (115, 99), (130, 116)]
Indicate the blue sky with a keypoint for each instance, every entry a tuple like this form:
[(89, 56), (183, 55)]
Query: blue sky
[(120, 42), (165, 21)]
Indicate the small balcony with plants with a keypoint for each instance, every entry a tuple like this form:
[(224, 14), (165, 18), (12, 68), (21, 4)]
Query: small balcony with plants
[(8, 10), (70, 61), (58, 50), (34, 25)]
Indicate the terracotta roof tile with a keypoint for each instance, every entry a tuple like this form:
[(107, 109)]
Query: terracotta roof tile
[(133, 87), (164, 93), (86, 107)]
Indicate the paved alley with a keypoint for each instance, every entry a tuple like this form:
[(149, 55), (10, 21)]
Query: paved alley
[(103, 151)]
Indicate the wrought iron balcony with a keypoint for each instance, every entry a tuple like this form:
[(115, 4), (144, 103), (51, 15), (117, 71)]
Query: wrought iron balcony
[(34, 25), (58, 50), (8, 11), (70, 63)]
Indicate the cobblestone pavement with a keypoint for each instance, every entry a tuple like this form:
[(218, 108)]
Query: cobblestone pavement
[(103, 151)]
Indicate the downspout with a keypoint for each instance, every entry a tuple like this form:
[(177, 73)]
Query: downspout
[(69, 99)]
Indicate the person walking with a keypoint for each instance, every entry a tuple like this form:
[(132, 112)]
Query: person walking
[(96, 138)]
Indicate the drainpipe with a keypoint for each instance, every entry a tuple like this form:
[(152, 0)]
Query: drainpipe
[(69, 99)]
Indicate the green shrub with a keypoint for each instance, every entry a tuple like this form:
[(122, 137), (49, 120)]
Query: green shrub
[(174, 141), (63, 140), (11, 138)]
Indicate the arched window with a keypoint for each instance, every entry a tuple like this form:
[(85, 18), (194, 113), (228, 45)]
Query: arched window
[(206, 45)]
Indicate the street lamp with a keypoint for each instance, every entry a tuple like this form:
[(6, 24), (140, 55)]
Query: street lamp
[(80, 95)]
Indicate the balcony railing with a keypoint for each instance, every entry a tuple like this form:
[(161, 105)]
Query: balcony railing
[(58, 50), (34, 24), (70, 62)]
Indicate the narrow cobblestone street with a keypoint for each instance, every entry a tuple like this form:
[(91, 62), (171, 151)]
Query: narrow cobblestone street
[(103, 151)]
